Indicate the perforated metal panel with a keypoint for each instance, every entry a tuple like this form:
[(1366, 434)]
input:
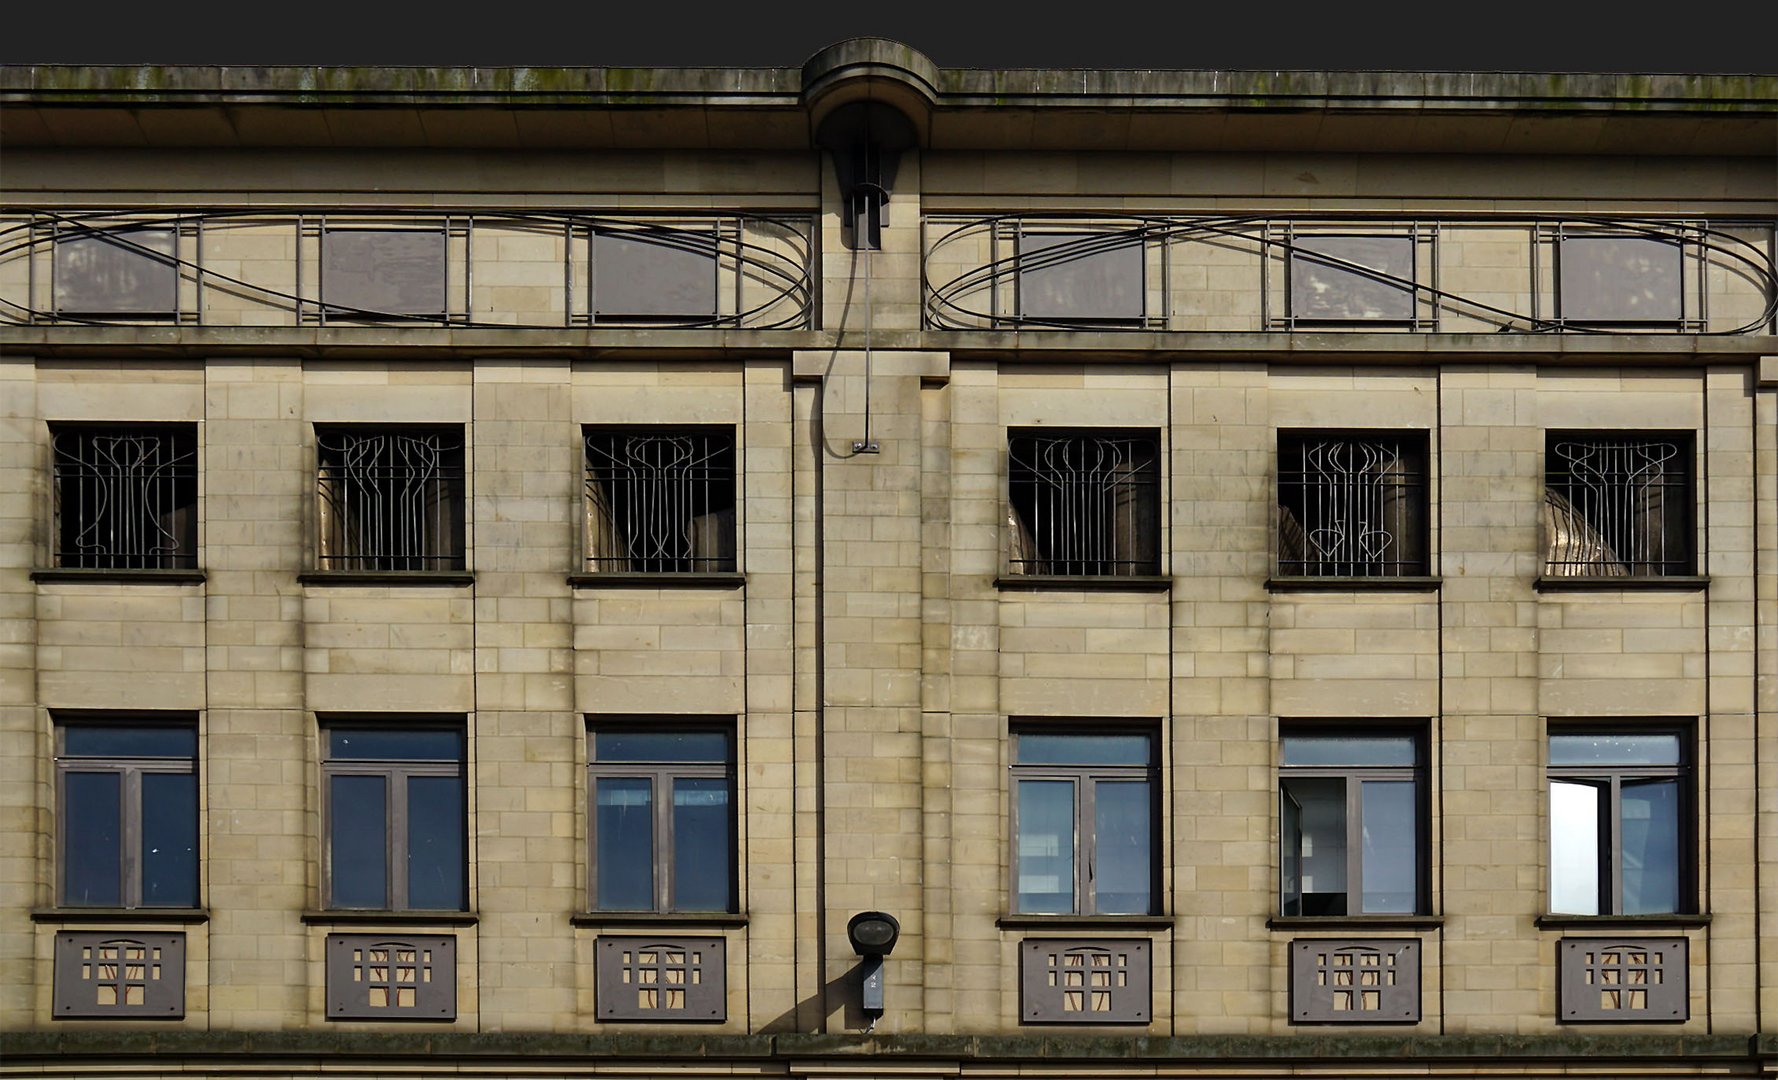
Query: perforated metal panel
[(112, 975), (1622, 980), (1355, 981), (391, 977), (1085, 981), (661, 978)]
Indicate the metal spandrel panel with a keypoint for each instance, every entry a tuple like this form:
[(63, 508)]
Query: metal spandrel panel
[(661, 978), (1355, 981), (1623, 980), (1323, 290), (661, 276), (118, 271), (391, 977), (384, 271), (1620, 279), (1085, 981), (119, 975), (1090, 276)]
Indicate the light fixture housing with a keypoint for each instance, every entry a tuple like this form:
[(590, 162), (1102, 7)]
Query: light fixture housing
[(873, 933)]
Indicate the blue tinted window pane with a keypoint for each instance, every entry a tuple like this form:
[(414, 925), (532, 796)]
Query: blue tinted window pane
[(1123, 848), (1651, 847), (384, 744), (1614, 748), (660, 746), (1351, 750), (1391, 839), (95, 740), (702, 843), (624, 837), (92, 868), (358, 819), (435, 826), (1046, 846), (1040, 749), (169, 840)]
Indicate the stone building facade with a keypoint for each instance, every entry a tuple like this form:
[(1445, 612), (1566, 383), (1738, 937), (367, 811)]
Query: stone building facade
[(1259, 574)]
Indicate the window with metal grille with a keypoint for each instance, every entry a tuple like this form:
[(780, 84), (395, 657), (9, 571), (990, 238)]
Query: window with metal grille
[(662, 823), (1075, 981), (126, 497), (1620, 821), (383, 273), (393, 817), (1607, 279), (1068, 278), (1353, 821), (385, 977), (661, 978), (120, 270), (660, 500), (1084, 504), (390, 499), (1618, 505), (1084, 814), (1352, 504), (1355, 981), (127, 811), (1628, 980), (112, 975), (1351, 278)]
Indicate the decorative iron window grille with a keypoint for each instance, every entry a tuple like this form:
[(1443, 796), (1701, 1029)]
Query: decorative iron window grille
[(1073, 981), (106, 975), (126, 498), (1355, 981), (390, 499), (374, 977), (660, 501), (1627, 980), (1618, 505), (1084, 504), (1352, 504), (674, 978)]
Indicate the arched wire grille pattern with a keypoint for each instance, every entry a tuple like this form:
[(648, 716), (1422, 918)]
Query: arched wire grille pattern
[(974, 270), (761, 266), (1084, 504), (126, 498), (1617, 506), (1351, 505), (390, 500), (660, 502)]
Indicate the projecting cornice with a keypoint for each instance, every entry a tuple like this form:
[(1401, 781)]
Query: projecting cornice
[(968, 108)]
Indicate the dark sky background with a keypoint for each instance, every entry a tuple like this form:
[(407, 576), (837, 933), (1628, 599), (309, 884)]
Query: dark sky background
[(1693, 37)]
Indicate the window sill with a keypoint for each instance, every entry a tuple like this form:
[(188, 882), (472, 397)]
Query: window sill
[(1420, 583), (1672, 582), (117, 914), (658, 919), (1084, 922), (405, 918), (1355, 922), (385, 577), (1620, 922), (1087, 582), (68, 574), (727, 580)]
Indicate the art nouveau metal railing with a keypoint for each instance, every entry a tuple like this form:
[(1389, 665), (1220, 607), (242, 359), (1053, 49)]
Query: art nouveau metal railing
[(1450, 274), (502, 269)]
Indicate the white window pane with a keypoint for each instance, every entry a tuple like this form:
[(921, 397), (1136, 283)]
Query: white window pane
[(1574, 848)]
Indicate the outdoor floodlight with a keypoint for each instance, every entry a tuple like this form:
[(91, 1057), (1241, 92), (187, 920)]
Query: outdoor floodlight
[(872, 934)]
